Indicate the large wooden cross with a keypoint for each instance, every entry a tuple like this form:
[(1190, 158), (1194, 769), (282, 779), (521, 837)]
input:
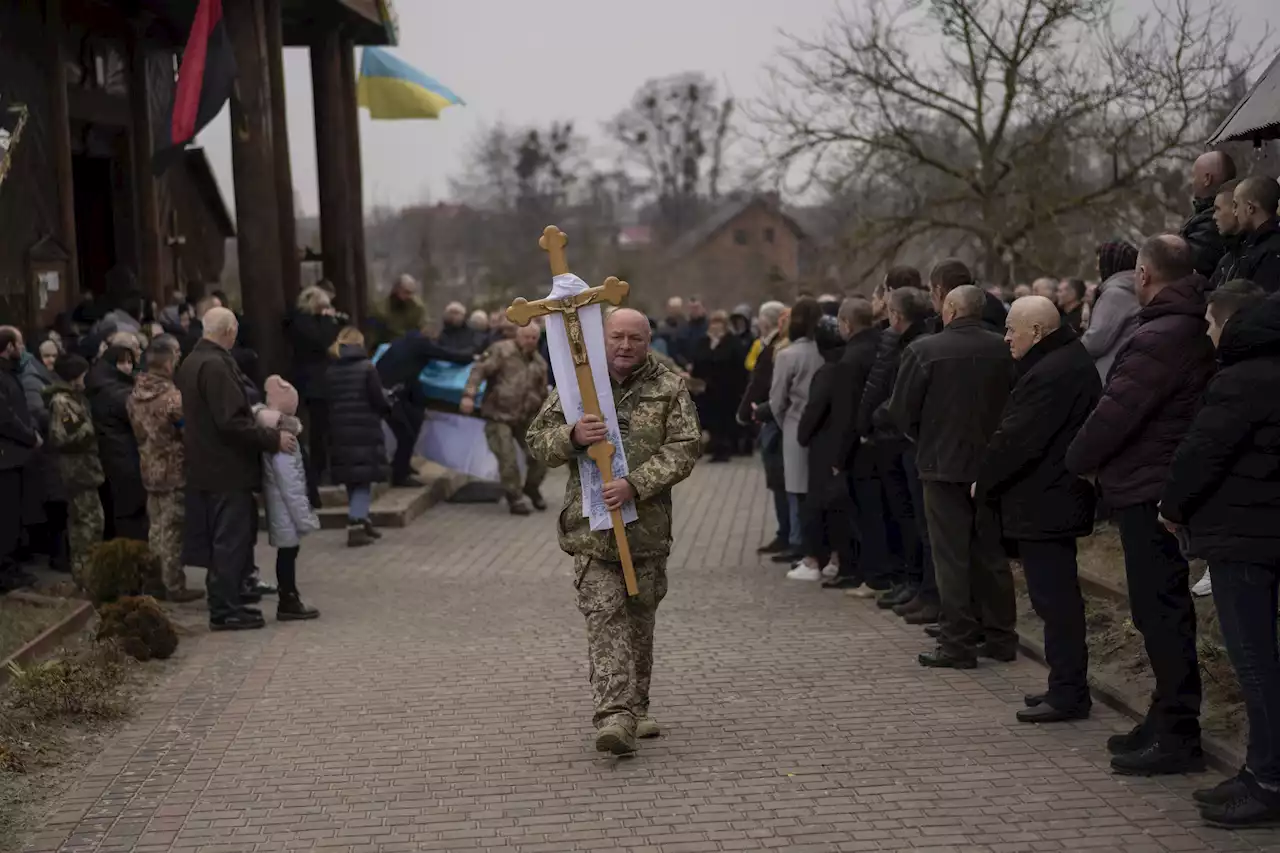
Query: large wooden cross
[(613, 291)]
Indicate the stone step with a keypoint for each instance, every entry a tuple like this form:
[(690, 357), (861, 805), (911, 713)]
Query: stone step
[(391, 507), (336, 496)]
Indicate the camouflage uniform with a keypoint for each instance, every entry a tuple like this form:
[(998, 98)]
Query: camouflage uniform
[(155, 412), (75, 445), (662, 439), (517, 386)]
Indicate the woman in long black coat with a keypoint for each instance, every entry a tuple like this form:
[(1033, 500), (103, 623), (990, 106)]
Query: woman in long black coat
[(312, 328), (719, 360), (109, 385), (357, 449)]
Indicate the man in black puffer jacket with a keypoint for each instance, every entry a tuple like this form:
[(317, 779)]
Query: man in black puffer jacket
[(1258, 257), (909, 311), (1042, 507), (1153, 392), (1224, 488), (1200, 232)]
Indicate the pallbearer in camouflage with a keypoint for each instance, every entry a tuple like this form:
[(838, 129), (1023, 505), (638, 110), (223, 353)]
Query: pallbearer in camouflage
[(661, 439)]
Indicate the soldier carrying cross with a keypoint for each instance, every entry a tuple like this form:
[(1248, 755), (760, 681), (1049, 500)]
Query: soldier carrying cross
[(653, 418)]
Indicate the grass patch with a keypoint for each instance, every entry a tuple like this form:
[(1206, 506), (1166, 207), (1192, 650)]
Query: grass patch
[(21, 622)]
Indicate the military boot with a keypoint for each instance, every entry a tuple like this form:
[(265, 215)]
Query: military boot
[(535, 498), (519, 506), (647, 726), (615, 738)]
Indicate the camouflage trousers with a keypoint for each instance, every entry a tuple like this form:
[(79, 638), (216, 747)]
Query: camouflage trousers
[(620, 634), (167, 511), (84, 529), (503, 440)]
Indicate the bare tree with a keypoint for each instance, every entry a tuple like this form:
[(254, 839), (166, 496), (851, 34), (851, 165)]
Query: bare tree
[(675, 131), (1018, 129)]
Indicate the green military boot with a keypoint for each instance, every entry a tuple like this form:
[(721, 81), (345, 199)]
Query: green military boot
[(647, 726), (616, 739)]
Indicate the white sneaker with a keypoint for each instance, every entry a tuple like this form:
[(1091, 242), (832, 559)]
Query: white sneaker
[(830, 570), (804, 573), (1203, 587)]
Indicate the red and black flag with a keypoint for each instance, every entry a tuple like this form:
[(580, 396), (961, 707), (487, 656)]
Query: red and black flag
[(205, 80)]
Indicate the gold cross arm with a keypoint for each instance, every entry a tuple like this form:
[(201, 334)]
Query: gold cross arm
[(613, 291)]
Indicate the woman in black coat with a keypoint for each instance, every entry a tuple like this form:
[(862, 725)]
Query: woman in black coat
[(357, 449), (719, 360), (109, 385), (312, 328)]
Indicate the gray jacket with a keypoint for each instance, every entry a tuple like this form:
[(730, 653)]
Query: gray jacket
[(284, 490), (1112, 321), (35, 378), (793, 369)]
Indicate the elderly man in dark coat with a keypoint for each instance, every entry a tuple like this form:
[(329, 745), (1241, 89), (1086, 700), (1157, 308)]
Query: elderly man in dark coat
[(1042, 507), (754, 408), (223, 446), (1222, 487), (950, 391), (1200, 231), (1152, 394), (19, 441)]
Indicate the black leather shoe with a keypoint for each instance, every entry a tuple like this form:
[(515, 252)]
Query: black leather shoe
[(409, 482), (787, 556), (1046, 713), (1033, 699), (1252, 809), (374, 533), (242, 621), (1157, 760), (1223, 792), (292, 609), (251, 610), (998, 654), (248, 595), (938, 659), (934, 631), (1134, 740), (927, 615), (900, 594), (773, 547), (842, 582)]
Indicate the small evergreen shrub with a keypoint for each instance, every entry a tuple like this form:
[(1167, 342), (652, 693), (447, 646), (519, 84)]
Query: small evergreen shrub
[(139, 626)]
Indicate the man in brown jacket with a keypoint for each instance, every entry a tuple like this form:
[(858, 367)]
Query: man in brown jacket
[(517, 377), (155, 412)]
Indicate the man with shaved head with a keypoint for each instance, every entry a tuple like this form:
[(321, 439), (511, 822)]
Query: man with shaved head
[(1153, 392), (223, 447), (660, 435), (1210, 171), (1042, 507), (1255, 203), (950, 390)]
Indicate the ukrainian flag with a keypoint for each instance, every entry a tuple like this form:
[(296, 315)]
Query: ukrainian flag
[(391, 88)]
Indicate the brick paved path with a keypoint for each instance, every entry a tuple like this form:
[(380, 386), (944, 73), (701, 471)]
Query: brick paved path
[(441, 704)]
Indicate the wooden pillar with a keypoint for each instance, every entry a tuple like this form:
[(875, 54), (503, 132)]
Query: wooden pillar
[(60, 139), (355, 182), (252, 161), (146, 203), (291, 277), (331, 155)]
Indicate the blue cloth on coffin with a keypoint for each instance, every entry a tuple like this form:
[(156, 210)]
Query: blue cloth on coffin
[(442, 381)]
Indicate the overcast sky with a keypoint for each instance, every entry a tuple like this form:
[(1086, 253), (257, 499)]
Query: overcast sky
[(516, 61)]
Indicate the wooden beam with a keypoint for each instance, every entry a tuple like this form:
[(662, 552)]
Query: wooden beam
[(60, 137), (331, 155), (253, 160), (146, 202), (355, 182), (292, 267)]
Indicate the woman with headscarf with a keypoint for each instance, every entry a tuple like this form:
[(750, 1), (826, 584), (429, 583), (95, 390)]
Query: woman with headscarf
[(719, 361)]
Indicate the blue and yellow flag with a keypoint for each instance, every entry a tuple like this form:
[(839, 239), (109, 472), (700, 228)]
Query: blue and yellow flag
[(390, 88)]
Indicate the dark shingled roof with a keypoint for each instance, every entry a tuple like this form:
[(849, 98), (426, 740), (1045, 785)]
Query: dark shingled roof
[(721, 217), (1257, 117)]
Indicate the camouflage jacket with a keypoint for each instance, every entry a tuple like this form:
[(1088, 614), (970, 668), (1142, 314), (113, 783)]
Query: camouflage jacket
[(72, 439), (662, 439), (517, 383), (155, 412)]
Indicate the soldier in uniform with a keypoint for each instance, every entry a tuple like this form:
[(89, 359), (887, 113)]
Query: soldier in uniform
[(517, 377), (155, 412), (661, 438), (74, 444)]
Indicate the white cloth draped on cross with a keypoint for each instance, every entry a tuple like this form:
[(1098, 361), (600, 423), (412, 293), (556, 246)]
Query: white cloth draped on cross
[(592, 321)]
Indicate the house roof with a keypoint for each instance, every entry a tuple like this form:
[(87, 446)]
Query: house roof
[(1257, 116), (206, 184), (722, 218)]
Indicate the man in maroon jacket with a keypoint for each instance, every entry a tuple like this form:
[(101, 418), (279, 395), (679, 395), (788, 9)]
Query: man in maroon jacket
[(1152, 394)]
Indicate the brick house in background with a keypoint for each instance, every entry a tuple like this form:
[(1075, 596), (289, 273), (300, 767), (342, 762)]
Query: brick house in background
[(747, 250)]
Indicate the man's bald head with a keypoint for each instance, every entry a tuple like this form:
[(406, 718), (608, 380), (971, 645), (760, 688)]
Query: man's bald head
[(1209, 172), (1031, 319), (626, 341), (965, 301), (220, 327), (1162, 260), (1255, 201)]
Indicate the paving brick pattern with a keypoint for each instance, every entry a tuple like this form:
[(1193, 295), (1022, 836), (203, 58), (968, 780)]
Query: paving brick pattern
[(441, 704)]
